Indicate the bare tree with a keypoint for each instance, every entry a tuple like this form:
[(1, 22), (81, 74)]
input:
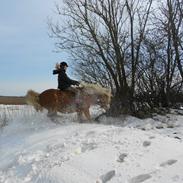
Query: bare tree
[(175, 25), (161, 62), (136, 41), (100, 35)]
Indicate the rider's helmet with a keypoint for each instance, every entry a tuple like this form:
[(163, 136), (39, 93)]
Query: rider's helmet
[(62, 64)]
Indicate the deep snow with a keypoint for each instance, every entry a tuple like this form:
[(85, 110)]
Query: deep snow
[(33, 149)]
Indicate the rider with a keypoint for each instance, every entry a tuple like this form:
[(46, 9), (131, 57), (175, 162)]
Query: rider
[(64, 82)]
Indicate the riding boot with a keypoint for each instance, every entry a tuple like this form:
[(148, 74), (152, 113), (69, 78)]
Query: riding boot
[(74, 90)]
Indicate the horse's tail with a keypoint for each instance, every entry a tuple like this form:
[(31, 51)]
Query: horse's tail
[(32, 98)]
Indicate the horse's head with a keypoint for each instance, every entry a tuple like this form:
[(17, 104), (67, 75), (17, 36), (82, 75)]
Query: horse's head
[(103, 100), (100, 95)]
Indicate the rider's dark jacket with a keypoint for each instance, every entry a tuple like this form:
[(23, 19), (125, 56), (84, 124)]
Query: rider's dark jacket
[(64, 81)]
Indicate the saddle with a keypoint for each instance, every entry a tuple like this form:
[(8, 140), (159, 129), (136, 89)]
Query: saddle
[(77, 93)]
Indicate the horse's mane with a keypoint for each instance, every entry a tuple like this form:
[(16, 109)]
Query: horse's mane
[(91, 88)]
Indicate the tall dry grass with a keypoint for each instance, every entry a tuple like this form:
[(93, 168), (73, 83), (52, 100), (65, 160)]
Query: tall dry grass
[(12, 100), (9, 112)]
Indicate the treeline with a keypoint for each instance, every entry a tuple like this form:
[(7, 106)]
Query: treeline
[(135, 47)]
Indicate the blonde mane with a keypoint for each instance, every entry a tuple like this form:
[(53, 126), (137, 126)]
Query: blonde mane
[(57, 66), (90, 88)]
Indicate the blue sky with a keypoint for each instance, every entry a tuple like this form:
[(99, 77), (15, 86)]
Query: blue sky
[(27, 55)]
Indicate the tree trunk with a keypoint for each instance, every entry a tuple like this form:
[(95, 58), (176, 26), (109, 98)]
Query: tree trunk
[(120, 103)]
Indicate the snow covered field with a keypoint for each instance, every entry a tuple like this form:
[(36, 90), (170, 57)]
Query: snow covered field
[(117, 150)]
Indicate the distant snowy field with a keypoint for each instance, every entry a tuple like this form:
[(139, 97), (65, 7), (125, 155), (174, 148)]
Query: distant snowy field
[(117, 150)]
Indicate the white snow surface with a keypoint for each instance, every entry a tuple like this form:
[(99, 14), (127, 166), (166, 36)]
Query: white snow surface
[(34, 149)]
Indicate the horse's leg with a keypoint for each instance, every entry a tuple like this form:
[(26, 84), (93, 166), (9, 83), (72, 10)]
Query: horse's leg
[(79, 114), (87, 114), (54, 118), (52, 114)]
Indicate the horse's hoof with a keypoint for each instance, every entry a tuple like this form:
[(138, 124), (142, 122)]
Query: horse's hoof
[(54, 119), (97, 119), (81, 121)]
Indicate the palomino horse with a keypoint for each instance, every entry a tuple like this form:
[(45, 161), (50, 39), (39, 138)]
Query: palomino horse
[(68, 101)]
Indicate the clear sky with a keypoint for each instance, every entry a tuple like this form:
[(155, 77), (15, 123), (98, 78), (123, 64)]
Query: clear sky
[(27, 55)]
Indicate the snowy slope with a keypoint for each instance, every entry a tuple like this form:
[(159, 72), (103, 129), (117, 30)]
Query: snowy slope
[(125, 150)]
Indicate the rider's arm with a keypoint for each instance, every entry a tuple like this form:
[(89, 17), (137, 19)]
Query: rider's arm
[(70, 81), (55, 71)]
